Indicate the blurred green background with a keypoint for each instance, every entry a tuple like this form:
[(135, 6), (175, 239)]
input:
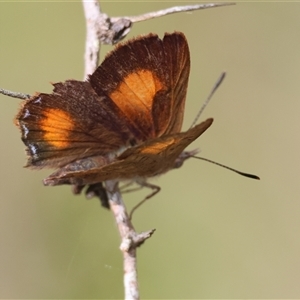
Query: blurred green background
[(219, 235)]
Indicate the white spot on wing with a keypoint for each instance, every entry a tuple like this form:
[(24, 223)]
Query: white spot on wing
[(25, 131), (38, 100), (27, 113), (33, 149)]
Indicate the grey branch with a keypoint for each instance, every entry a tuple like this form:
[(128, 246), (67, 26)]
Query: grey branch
[(130, 239)]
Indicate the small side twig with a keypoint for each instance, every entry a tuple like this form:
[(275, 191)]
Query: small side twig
[(14, 94), (171, 10)]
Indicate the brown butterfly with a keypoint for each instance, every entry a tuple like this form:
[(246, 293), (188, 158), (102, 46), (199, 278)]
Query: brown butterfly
[(124, 122)]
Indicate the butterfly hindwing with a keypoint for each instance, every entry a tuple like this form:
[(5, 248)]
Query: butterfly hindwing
[(149, 159)]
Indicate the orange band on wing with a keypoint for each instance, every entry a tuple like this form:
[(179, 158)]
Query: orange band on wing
[(158, 147), (137, 90), (57, 126)]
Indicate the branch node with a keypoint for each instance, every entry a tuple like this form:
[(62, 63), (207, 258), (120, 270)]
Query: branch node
[(140, 238), (113, 30), (134, 240), (126, 244)]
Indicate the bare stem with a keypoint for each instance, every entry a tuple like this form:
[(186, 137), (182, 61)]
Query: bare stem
[(172, 10), (126, 230), (130, 239)]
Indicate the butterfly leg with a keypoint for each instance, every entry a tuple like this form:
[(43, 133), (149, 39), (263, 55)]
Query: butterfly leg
[(155, 190), (124, 190), (124, 186)]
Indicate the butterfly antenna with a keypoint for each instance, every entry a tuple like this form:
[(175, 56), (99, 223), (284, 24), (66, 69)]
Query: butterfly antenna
[(228, 168), (215, 87)]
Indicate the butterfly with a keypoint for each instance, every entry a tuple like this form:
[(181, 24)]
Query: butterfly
[(124, 122)]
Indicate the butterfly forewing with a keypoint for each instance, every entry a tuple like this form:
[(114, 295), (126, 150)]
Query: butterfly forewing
[(141, 78)]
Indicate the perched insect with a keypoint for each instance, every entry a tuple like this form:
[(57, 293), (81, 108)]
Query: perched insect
[(123, 123)]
